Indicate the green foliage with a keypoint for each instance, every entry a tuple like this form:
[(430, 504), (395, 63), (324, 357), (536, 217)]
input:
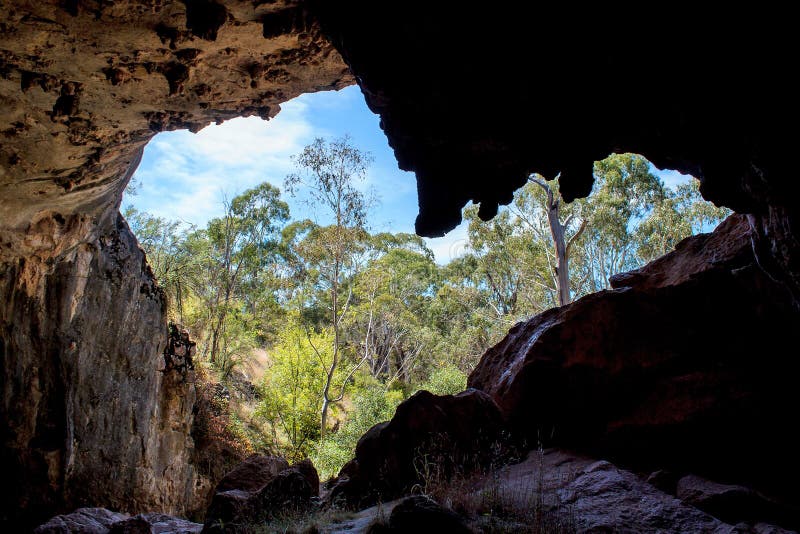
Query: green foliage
[(351, 321), (372, 404), (447, 380), (291, 388), (164, 243)]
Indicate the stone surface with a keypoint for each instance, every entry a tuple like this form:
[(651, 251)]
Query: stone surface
[(429, 436), (419, 513), (589, 495), (86, 416), (83, 520), (252, 474), (682, 367), (734, 503), (261, 488), (102, 521), (555, 490), (164, 524), (86, 85)]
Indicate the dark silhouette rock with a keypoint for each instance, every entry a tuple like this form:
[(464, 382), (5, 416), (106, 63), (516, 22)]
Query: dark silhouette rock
[(418, 514), (252, 474), (726, 130), (292, 490), (227, 506), (309, 472), (261, 488), (430, 436), (734, 503), (683, 367), (665, 480)]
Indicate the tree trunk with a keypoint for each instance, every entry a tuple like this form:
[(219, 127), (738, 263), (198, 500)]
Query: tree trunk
[(557, 232), (324, 417), (562, 265), (215, 342)]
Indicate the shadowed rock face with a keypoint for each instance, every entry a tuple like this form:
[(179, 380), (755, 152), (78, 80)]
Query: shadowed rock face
[(473, 100), (86, 417), (684, 366), (429, 437)]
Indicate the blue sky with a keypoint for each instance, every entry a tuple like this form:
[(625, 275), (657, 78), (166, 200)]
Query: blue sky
[(185, 176)]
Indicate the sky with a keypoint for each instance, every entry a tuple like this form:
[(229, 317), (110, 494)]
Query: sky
[(185, 176)]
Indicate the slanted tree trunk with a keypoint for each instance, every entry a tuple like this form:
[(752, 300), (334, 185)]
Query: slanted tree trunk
[(560, 243)]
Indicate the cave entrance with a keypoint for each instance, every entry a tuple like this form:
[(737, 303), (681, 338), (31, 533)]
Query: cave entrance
[(413, 313)]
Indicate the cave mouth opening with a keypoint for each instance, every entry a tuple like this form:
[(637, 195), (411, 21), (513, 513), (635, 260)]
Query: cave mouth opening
[(423, 310)]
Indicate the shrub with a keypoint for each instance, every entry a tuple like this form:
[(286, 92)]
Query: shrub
[(447, 380), (372, 404)]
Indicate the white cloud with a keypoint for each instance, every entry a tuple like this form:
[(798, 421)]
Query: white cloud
[(185, 175)]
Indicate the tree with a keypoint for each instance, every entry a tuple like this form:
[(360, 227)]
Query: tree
[(682, 213), (290, 402), (558, 233), (625, 193), (328, 172), (164, 244), (392, 295), (237, 246)]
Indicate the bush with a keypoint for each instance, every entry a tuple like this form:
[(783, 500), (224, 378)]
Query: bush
[(372, 405), (447, 380)]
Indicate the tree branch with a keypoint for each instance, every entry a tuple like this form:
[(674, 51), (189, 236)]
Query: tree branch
[(576, 235)]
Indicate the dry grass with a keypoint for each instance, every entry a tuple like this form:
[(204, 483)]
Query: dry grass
[(309, 522), (491, 502)]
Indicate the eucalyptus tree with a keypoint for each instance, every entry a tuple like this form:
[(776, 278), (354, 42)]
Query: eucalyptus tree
[(164, 244), (328, 172), (234, 250)]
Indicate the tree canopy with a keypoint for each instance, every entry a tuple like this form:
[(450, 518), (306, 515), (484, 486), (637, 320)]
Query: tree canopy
[(332, 325)]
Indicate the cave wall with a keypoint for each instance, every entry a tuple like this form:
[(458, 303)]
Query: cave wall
[(86, 415)]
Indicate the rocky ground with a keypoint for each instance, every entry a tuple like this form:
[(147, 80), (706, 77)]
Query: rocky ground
[(549, 491)]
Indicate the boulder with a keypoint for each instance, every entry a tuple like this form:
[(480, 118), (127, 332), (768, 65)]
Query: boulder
[(734, 503), (241, 501), (226, 506), (292, 490), (665, 480), (682, 366), (252, 474), (429, 438), (83, 520), (419, 513), (102, 521)]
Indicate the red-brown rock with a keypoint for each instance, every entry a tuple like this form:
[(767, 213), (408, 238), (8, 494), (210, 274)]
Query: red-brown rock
[(688, 365), (252, 474), (258, 489), (429, 436)]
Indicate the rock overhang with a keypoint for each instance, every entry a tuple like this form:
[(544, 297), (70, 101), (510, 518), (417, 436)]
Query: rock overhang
[(474, 99)]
